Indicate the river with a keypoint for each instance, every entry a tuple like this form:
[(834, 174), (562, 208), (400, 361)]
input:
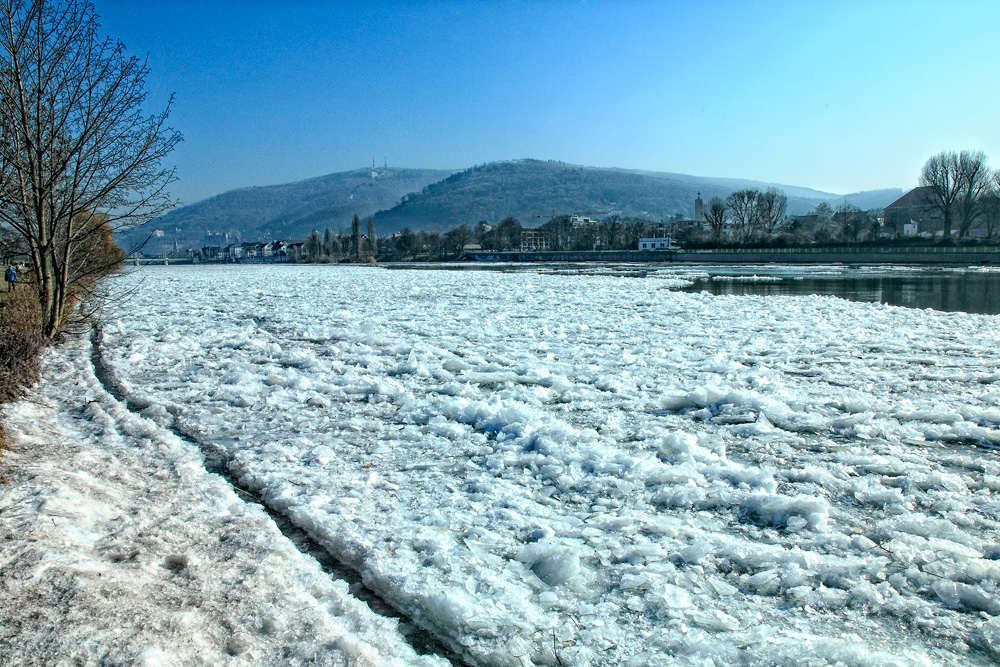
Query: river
[(971, 290), (589, 465)]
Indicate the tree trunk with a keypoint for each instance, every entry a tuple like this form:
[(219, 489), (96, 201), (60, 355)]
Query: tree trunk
[(48, 294)]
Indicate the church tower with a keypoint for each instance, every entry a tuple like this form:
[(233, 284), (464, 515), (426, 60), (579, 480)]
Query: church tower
[(699, 209)]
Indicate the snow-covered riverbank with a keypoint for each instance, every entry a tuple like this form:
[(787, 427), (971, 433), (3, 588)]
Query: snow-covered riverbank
[(116, 547)]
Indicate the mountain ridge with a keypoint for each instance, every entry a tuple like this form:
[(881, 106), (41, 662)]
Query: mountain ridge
[(286, 210), (426, 199), (533, 190)]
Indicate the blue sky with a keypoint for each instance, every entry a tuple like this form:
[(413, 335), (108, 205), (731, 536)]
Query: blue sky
[(841, 97)]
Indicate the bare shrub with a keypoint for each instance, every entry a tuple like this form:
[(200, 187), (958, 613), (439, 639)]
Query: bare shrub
[(20, 352), (20, 342), (20, 309)]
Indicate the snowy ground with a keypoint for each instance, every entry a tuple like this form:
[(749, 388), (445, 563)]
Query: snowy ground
[(118, 548), (594, 469)]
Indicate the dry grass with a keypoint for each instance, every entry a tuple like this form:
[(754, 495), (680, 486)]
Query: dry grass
[(19, 362), (19, 310), (20, 345)]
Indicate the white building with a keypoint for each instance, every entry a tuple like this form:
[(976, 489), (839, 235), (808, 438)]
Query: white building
[(655, 243)]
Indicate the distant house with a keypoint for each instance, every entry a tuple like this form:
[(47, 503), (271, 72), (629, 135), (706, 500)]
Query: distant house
[(913, 215), (279, 251), (250, 251), (655, 243), (534, 239), (659, 229), (211, 253)]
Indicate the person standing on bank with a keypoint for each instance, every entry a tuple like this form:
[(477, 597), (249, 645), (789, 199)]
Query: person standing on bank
[(11, 276)]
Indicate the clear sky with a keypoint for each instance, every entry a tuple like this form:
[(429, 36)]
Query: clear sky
[(840, 96)]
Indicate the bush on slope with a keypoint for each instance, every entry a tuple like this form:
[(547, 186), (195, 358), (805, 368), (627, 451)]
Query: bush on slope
[(20, 344)]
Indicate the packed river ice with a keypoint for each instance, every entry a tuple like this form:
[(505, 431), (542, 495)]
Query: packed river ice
[(601, 470)]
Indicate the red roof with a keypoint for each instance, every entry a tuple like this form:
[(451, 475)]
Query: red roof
[(915, 198)]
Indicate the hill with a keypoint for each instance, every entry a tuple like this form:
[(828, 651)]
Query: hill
[(865, 200), (732, 184), (425, 199), (869, 199), (531, 190), (286, 211)]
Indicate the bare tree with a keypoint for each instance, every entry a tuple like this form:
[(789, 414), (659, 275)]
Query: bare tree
[(314, 247), (407, 242), (634, 230), (771, 207), (560, 231), (824, 211), (851, 221), (481, 230), (329, 245), (456, 239), (716, 215), (822, 228), (991, 207), (946, 177), (974, 177), (611, 230), (75, 142), (508, 233), (356, 239), (372, 248), (344, 243), (743, 211), (332, 246)]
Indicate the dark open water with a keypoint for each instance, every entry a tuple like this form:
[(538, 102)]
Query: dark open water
[(947, 289), (969, 290)]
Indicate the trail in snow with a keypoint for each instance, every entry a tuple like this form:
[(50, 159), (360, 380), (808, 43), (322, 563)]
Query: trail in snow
[(216, 462), (119, 548)]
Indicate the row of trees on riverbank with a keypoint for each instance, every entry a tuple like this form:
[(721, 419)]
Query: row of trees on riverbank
[(958, 198), (611, 233), (340, 247), (749, 218), (845, 225)]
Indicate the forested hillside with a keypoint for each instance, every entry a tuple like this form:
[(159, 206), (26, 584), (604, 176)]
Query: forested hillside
[(288, 211), (425, 199), (532, 190)]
